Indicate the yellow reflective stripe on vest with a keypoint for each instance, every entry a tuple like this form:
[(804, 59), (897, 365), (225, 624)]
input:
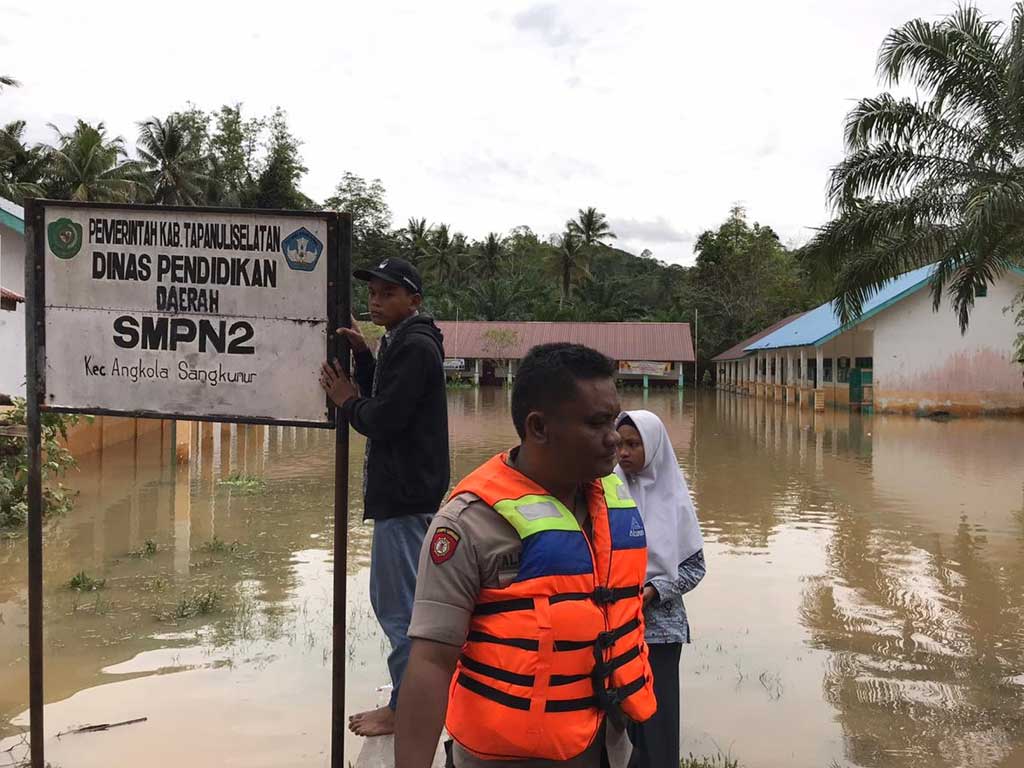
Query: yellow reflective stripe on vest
[(533, 514), (616, 495)]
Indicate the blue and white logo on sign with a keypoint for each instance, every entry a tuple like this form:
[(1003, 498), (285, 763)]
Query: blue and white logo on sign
[(302, 250)]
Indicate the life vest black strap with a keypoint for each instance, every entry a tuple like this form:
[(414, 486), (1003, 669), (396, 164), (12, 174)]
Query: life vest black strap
[(503, 606), (607, 699), (601, 596), (557, 680), (603, 642), (521, 703), (496, 672), (513, 642), (499, 697), (602, 669)]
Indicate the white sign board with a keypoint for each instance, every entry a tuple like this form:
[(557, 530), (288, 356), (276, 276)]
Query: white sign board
[(454, 364), (186, 312), (645, 367)]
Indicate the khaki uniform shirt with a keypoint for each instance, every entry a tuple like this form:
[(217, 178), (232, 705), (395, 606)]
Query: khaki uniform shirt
[(485, 554)]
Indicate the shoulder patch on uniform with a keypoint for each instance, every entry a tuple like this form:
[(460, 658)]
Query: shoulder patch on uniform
[(443, 545)]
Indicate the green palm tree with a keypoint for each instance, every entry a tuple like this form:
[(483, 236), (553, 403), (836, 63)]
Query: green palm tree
[(86, 165), (611, 300), (443, 251), (569, 260), (21, 166), (591, 226), (176, 172), (937, 178), (489, 254), (498, 298), (415, 232)]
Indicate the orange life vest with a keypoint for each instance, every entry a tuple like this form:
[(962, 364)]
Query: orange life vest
[(549, 655)]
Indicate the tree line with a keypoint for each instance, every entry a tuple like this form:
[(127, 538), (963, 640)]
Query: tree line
[(744, 278), (932, 178)]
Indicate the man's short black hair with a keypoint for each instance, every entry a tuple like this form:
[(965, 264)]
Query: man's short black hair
[(548, 375)]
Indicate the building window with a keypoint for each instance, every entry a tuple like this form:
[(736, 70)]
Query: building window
[(826, 371), (843, 370), (864, 363)]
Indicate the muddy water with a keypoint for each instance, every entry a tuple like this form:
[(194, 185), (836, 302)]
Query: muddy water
[(864, 604)]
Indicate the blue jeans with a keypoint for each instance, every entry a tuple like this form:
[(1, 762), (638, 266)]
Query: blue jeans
[(394, 558)]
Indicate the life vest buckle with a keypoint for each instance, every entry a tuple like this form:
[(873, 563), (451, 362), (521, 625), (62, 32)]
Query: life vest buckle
[(605, 640), (603, 595)]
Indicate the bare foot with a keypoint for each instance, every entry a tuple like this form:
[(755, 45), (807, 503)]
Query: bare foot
[(379, 722)]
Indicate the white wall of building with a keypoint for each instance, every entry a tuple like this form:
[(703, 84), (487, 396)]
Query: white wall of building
[(12, 324), (923, 363)]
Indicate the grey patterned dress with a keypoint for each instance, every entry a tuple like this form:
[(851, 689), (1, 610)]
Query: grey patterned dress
[(665, 615)]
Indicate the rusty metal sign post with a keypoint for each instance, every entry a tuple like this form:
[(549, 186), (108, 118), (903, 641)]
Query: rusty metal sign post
[(201, 314)]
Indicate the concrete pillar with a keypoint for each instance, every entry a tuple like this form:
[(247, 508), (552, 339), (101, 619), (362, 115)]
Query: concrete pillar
[(819, 392), (476, 372), (182, 441), (681, 379), (804, 379), (647, 384), (182, 520), (511, 368)]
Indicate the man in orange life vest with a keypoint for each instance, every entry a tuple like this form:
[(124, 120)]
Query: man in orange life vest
[(527, 627)]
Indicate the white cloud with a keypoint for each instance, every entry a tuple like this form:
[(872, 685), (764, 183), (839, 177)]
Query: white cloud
[(491, 114)]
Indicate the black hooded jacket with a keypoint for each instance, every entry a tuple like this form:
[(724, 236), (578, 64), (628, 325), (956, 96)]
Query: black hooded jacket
[(406, 422)]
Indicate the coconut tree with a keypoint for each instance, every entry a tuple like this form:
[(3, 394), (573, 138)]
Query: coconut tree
[(936, 177), (569, 260), (176, 172), (498, 298), (86, 165), (413, 238), (489, 253), (591, 227), (443, 251), (21, 166)]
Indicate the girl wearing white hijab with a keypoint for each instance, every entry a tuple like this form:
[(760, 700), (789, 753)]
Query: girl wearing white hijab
[(675, 565)]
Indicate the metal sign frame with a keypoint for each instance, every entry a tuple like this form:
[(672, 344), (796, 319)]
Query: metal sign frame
[(339, 309)]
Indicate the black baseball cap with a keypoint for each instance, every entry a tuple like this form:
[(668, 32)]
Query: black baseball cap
[(393, 270)]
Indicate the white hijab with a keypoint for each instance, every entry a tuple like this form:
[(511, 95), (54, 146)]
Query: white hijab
[(660, 492)]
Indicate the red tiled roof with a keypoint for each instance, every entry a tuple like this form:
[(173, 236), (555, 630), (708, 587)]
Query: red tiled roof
[(661, 342), (737, 352), (10, 295)]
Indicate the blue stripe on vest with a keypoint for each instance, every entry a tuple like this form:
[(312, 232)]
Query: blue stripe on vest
[(554, 553), (627, 528)]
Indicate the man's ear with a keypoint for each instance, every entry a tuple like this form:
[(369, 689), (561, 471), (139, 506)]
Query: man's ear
[(417, 300), (536, 427)]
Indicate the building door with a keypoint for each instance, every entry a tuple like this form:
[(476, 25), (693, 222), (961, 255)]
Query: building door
[(856, 387)]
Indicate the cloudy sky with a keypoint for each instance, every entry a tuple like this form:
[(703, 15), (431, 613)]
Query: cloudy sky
[(487, 114)]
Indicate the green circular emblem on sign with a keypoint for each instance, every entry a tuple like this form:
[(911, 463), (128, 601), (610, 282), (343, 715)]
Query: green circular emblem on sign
[(65, 238)]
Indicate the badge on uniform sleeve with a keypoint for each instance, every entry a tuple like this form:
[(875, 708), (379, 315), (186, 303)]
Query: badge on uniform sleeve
[(443, 545)]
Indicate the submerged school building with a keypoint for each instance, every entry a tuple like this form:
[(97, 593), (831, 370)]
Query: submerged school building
[(645, 353), (898, 356)]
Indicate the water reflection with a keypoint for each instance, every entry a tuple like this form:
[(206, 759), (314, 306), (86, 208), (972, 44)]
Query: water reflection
[(921, 606), (864, 603)]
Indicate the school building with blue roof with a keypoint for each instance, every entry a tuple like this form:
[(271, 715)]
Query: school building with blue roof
[(898, 356)]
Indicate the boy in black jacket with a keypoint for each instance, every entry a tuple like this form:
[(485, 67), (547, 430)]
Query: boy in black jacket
[(404, 414)]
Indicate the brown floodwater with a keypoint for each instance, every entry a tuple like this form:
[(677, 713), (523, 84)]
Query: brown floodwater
[(864, 603)]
